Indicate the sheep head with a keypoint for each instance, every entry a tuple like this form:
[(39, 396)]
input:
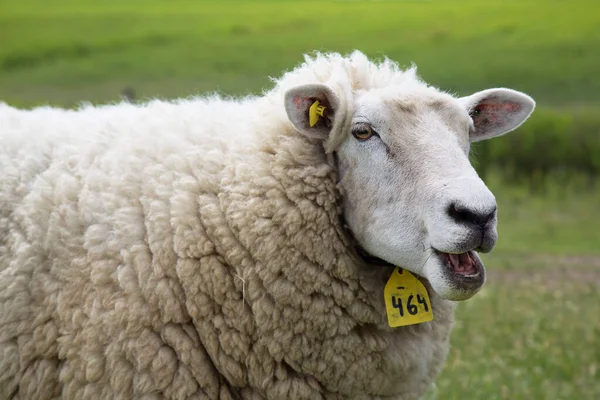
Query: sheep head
[(410, 195)]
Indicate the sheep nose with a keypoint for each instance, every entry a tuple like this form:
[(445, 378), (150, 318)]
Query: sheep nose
[(463, 215)]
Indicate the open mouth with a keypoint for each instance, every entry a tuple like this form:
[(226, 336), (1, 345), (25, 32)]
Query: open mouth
[(457, 276), (466, 264)]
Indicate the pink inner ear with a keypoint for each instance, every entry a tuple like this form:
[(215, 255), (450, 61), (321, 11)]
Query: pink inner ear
[(494, 112), (302, 102), (298, 101)]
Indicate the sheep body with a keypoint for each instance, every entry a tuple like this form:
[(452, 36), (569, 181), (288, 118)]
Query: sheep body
[(193, 249)]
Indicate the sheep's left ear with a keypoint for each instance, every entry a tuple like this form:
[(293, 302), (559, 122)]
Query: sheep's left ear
[(311, 108), (497, 111)]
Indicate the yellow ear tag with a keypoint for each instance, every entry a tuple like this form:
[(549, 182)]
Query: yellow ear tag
[(314, 112), (406, 300)]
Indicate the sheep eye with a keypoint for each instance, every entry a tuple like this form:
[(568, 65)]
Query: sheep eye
[(363, 132)]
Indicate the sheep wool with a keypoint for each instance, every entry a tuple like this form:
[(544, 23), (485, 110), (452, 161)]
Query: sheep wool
[(194, 249)]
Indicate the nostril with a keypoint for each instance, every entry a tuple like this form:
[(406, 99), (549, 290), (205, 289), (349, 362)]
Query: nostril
[(461, 215)]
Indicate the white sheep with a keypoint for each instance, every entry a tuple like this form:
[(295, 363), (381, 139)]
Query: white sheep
[(221, 248)]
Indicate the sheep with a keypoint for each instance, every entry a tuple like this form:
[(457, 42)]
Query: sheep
[(240, 248)]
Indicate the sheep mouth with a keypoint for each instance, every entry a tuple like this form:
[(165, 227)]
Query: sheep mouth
[(458, 275), (466, 264)]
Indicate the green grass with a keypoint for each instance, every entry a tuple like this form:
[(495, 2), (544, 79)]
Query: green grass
[(532, 333), (66, 51), (552, 147), (527, 335), (563, 220)]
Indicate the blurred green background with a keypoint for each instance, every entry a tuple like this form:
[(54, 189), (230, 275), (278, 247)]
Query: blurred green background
[(532, 333)]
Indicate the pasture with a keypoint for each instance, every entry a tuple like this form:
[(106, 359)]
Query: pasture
[(74, 50), (532, 333)]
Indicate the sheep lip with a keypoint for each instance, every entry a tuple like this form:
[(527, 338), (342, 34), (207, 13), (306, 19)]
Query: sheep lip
[(465, 265)]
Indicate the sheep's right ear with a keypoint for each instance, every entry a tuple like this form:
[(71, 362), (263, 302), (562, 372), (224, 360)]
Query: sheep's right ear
[(311, 108)]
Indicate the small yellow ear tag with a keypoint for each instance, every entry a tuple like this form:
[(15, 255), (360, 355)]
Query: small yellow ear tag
[(314, 112), (406, 300)]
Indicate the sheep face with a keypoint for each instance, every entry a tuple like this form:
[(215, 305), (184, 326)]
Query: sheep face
[(410, 194)]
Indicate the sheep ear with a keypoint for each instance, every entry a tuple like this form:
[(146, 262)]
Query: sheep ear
[(497, 111), (311, 108)]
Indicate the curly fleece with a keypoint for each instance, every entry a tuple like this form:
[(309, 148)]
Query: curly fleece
[(194, 249)]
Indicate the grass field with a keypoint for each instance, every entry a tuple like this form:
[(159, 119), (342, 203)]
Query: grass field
[(533, 332), (66, 51)]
